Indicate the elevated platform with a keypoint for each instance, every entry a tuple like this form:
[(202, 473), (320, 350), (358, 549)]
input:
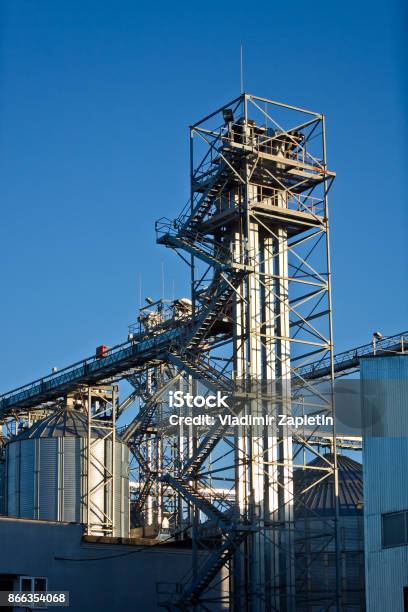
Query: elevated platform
[(295, 221)]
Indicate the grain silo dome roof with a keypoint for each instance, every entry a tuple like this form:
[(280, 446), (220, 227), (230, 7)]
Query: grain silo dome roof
[(61, 424), (318, 497)]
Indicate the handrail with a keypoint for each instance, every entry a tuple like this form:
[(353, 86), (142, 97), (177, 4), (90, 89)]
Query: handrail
[(98, 367), (383, 345)]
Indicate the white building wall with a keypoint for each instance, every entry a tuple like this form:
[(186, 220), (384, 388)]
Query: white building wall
[(385, 461)]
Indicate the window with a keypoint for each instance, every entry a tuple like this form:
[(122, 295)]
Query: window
[(26, 584), (40, 585), (33, 584), (394, 529)]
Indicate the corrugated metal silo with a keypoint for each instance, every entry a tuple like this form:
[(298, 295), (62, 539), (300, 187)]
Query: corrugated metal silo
[(313, 509), (46, 472), (2, 476)]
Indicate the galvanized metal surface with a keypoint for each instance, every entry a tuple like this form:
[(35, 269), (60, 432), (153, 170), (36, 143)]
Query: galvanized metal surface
[(320, 498), (2, 483), (385, 458), (314, 510), (73, 447), (45, 473)]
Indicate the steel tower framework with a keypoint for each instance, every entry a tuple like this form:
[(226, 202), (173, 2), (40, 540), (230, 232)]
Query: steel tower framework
[(256, 235)]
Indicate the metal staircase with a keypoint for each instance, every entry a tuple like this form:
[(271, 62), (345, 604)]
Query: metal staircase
[(213, 378), (204, 449), (201, 369), (183, 232), (208, 571), (223, 292), (199, 245), (210, 189), (144, 493), (134, 433), (191, 495), (143, 419)]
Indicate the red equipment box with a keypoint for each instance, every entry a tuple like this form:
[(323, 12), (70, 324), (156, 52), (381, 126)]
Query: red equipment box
[(101, 351)]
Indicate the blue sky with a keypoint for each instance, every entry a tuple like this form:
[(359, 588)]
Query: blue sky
[(96, 98)]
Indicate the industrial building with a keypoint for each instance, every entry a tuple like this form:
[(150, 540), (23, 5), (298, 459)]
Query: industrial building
[(208, 517), (99, 573), (385, 399)]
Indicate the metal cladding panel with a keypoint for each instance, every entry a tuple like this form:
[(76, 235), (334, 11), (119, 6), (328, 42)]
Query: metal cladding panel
[(27, 454), (385, 455), (125, 491), (385, 444), (48, 479), (13, 452), (352, 533), (386, 577), (72, 448), (385, 475), (96, 477), (319, 494), (46, 476), (385, 393), (2, 486), (121, 491), (101, 455), (118, 502)]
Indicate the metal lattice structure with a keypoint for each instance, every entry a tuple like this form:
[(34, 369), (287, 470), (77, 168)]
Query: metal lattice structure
[(255, 238), (256, 231), (101, 405)]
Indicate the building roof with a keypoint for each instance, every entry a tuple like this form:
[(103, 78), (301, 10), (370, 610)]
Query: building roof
[(319, 497), (63, 423)]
